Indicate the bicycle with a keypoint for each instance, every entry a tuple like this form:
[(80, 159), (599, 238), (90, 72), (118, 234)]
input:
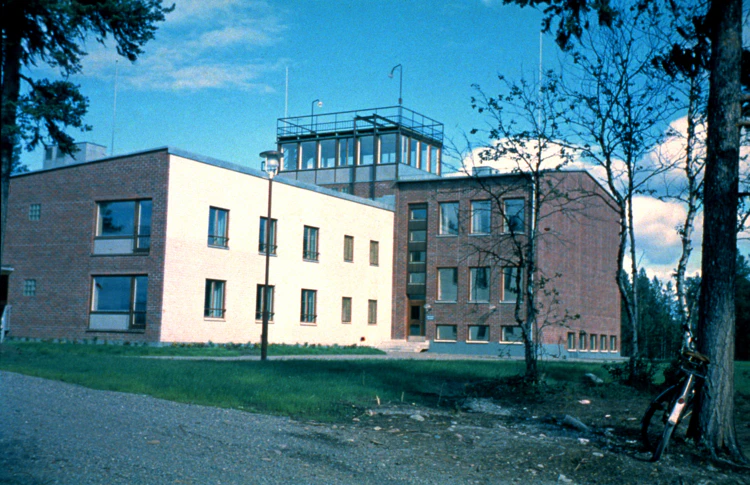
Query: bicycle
[(675, 404)]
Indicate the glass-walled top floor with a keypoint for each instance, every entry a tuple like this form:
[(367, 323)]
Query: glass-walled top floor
[(368, 149)]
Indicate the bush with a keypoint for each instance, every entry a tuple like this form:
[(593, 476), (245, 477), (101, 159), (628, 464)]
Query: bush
[(642, 378)]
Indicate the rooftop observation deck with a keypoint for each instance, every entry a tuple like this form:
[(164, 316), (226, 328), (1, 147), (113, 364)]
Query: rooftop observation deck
[(342, 123)]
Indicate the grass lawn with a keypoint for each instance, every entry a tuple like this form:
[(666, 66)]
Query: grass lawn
[(325, 390)]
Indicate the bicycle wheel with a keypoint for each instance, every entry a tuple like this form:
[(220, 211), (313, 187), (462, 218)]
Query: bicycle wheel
[(656, 431)]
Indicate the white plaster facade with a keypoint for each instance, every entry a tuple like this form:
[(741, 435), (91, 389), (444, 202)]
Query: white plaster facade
[(195, 186)]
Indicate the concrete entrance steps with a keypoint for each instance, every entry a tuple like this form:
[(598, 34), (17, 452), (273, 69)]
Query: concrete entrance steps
[(403, 346)]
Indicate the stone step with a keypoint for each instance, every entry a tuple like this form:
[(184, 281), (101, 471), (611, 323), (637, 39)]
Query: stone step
[(403, 346)]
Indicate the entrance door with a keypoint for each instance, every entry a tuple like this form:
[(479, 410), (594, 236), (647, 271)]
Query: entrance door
[(416, 318)]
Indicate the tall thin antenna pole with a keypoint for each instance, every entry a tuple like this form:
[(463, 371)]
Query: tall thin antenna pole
[(541, 74), (286, 94), (114, 112)]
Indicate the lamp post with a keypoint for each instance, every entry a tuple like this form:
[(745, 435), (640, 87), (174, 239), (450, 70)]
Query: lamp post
[(312, 112), (271, 166), (400, 80)]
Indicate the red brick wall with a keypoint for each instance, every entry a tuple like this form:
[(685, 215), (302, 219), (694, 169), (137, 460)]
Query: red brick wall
[(580, 246), (57, 250)]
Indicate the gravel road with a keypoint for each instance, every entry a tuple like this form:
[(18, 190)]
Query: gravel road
[(57, 433)]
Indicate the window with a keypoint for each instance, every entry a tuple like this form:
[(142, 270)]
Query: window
[(123, 227), (417, 256), (514, 215), (374, 253), (366, 150), (214, 301), (417, 236), (260, 297), (372, 312), (388, 148), (118, 303), (480, 216), (308, 311), (449, 219), (424, 156), (348, 249), (346, 152), (513, 334), (309, 155), (418, 213), (29, 288), (479, 333), (346, 310), (479, 284), (413, 153), (417, 278), (571, 341), (447, 284), (446, 333), (262, 235), (582, 341), (327, 153), (310, 244), (593, 340), (603, 343), (218, 229), (291, 154), (510, 284), (435, 160), (35, 212), (612, 343)]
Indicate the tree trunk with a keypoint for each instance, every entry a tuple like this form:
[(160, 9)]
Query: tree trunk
[(8, 135), (716, 428)]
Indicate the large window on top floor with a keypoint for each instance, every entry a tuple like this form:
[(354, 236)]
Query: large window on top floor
[(346, 152), (309, 157), (291, 155), (123, 227), (514, 215), (366, 150), (118, 303), (388, 148), (327, 153)]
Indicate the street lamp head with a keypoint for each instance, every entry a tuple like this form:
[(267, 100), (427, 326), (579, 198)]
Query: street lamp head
[(272, 162), (320, 104)]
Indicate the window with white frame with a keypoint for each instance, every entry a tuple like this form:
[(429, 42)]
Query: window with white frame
[(123, 227), (448, 219), (479, 284), (480, 216), (612, 343), (310, 244), (214, 299), (262, 297), (118, 303), (446, 333), (479, 333), (291, 156), (218, 227), (582, 341), (511, 282), (308, 313), (514, 215), (447, 284), (571, 341), (511, 334), (603, 343), (593, 342)]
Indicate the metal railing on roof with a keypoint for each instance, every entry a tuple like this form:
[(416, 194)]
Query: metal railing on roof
[(342, 122)]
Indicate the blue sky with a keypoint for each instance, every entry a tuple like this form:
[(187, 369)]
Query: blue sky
[(213, 80)]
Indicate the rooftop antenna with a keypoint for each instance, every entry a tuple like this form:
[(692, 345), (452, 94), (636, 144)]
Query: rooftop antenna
[(286, 94), (114, 112)]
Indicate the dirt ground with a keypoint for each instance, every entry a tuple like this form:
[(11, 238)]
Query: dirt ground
[(532, 441)]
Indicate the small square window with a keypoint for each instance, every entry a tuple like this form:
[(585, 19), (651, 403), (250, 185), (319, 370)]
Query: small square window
[(29, 288), (35, 212), (446, 333)]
